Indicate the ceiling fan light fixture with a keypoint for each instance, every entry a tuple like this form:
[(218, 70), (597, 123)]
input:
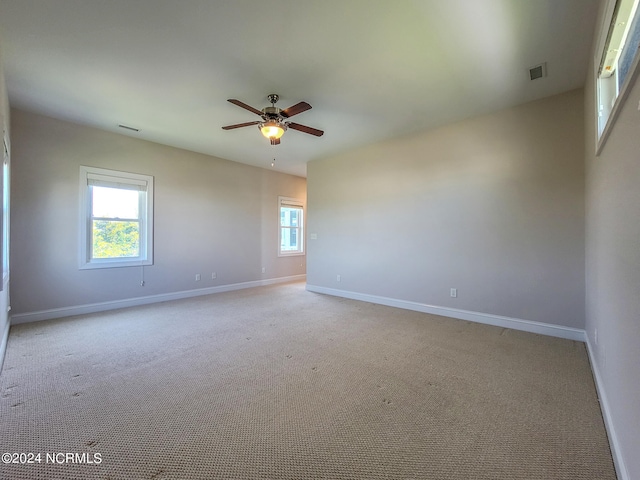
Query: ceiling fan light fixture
[(271, 129)]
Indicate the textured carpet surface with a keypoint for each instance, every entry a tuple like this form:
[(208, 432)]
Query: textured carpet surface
[(280, 383)]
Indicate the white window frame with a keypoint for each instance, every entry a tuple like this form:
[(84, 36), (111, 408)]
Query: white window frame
[(6, 199), (296, 203), (100, 176), (606, 114)]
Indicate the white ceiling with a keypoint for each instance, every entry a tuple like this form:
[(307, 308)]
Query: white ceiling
[(371, 69)]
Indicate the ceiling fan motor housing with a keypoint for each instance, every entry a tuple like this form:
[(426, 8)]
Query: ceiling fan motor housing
[(272, 118), (271, 112)]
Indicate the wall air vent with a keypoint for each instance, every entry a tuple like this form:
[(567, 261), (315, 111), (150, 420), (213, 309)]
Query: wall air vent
[(539, 71)]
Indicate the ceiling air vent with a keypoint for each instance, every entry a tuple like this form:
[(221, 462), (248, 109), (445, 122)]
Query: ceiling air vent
[(538, 71)]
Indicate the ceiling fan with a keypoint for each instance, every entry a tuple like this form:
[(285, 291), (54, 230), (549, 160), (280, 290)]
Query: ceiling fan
[(274, 120)]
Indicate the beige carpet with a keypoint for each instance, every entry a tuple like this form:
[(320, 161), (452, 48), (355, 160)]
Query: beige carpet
[(280, 383)]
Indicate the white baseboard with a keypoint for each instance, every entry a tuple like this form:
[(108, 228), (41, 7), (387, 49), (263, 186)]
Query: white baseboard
[(495, 320), (514, 323), (133, 302), (488, 319), (3, 343), (5, 320), (614, 443)]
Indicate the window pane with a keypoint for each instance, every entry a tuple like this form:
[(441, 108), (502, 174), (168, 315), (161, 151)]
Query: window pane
[(289, 239), (116, 218), (623, 39), (289, 216), (114, 203), (291, 236), (630, 49), (5, 219), (114, 239)]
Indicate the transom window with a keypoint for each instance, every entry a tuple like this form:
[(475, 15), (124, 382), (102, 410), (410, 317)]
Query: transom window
[(116, 218)]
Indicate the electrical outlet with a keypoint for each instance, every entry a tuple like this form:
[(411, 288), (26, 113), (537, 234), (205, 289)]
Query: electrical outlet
[(595, 336), (214, 275), (338, 278), (264, 270), (454, 292), (197, 277)]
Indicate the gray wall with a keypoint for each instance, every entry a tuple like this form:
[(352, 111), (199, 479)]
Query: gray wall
[(492, 206), (613, 271), (211, 215)]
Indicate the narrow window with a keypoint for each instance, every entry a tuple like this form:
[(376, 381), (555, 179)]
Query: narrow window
[(618, 60), (116, 218), (5, 214), (291, 226)]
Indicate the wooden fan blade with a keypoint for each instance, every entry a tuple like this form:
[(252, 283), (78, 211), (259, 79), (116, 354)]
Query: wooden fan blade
[(305, 129), (238, 125), (245, 106), (275, 141), (295, 109)]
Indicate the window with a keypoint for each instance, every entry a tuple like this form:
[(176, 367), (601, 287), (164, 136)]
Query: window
[(116, 224), (618, 61), (291, 226), (5, 213)]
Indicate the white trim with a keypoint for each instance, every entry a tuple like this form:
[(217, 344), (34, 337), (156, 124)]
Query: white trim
[(292, 203), (600, 42), (614, 444), (146, 196), (560, 331), (134, 302), (625, 89), (621, 99), (602, 32), (5, 206), (516, 324), (496, 320), (4, 316), (3, 342)]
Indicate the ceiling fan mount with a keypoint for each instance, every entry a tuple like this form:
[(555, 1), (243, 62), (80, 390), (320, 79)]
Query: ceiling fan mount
[(274, 120)]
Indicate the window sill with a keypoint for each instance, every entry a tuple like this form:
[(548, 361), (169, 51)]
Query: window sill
[(293, 254), (114, 264)]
